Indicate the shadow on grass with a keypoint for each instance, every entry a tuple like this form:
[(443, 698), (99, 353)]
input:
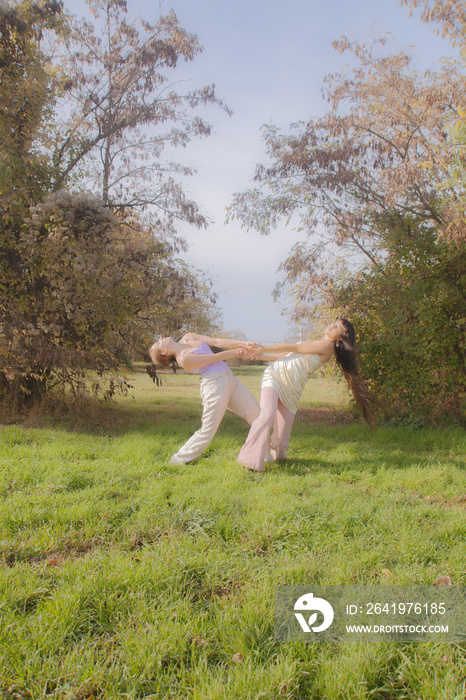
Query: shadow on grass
[(303, 467), (173, 406), (338, 449), (130, 415), (112, 419)]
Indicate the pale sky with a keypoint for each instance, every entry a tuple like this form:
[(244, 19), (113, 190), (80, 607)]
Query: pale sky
[(268, 59)]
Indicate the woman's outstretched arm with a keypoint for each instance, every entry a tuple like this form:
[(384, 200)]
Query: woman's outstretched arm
[(307, 347), (190, 361), (270, 356), (218, 342)]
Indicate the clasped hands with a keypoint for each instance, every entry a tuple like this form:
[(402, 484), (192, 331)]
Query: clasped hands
[(249, 351)]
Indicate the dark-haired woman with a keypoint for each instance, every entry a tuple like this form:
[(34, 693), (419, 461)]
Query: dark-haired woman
[(283, 382), (220, 389)]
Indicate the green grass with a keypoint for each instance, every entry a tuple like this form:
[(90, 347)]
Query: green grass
[(123, 576)]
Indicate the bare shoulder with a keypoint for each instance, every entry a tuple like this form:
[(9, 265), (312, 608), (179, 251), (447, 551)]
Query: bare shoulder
[(326, 350)]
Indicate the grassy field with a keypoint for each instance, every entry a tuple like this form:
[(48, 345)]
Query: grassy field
[(123, 576)]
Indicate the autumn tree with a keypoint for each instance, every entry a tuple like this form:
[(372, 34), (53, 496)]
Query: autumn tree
[(82, 287), (128, 110), (25, 94), (379, 166), (93, 285), (383, 147), (26, 91), (447, 15)]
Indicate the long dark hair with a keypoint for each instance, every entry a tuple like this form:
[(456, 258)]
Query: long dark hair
[(346, 355)]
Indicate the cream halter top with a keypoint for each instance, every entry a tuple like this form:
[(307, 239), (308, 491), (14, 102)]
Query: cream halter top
[(288, 376)]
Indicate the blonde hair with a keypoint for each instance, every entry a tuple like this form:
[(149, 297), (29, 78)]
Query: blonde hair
[(160, 358)]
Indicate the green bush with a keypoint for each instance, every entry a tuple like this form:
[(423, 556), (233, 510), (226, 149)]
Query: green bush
[(410, 315)]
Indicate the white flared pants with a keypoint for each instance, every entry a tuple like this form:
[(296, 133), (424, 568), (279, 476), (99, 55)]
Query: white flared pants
[(219, 391)]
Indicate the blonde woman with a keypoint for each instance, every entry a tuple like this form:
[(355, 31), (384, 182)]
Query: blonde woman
[(220, 389)]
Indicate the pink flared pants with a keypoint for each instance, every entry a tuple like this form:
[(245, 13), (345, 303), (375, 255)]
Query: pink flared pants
[(273, 414)]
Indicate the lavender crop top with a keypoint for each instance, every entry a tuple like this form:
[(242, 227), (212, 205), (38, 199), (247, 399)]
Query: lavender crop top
[(220, 366)]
